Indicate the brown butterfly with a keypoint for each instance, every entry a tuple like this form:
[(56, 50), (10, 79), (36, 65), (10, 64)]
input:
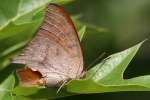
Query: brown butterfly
[(54, 56)]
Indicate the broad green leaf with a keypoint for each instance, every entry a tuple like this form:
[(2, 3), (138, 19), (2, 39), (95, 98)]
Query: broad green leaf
[(18, 8), (107, 76), (18, 25), (6, 14), (6, 87), (39, 93)]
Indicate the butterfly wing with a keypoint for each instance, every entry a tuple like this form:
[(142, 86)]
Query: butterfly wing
[(55, 51)]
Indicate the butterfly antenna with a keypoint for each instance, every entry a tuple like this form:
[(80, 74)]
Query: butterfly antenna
[(96, 60), (61, 87)]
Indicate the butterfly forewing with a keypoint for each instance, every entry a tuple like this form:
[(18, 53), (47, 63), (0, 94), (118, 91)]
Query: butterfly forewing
[(55, 51)]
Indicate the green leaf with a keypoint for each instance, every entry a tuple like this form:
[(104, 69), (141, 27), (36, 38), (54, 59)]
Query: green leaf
[(18, 24), (107, 76), (6, 87), (39, 93)]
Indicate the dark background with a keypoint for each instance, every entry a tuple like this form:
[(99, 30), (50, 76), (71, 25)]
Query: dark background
[(128, 23)]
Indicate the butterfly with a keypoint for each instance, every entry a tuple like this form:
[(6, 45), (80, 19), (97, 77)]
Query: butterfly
[(54, 56)]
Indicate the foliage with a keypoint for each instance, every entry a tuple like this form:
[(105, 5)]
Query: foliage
[(18, 24)]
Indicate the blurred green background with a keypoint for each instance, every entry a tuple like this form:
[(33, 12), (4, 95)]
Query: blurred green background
[(122, 23)]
